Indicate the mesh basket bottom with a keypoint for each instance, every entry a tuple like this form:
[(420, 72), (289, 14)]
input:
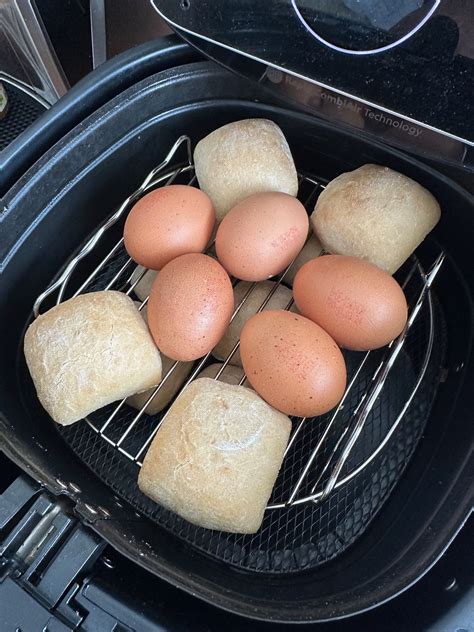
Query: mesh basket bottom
[(304, 535), (307, 535), (22, 111)]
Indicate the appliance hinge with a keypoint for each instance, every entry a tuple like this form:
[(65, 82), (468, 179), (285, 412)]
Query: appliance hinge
[(44, 554)]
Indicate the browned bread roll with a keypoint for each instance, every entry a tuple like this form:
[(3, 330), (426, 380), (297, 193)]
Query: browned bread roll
[(88, 352), (243, 158), (216, 457), (376, 214)]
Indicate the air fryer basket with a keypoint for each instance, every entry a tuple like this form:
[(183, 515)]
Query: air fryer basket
[(387, 401), (80, 183)]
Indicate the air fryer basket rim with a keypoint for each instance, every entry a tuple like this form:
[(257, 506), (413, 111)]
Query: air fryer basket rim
[(187, 93)]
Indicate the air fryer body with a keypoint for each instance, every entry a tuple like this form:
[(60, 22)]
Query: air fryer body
[(60, 201)]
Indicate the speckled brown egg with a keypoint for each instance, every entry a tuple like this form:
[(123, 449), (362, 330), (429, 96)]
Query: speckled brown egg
[(261, 235), (168, 222), (359, 305), (292, 363), (190, 306)]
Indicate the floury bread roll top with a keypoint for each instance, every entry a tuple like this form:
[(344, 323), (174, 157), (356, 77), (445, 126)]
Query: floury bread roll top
[(376, 214), (88, 352), (215, 459), (243, 158)]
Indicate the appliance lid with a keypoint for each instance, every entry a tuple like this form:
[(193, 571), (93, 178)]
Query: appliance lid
[(402, 71)]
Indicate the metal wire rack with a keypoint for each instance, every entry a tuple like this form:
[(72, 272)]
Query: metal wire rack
[(325, 468)]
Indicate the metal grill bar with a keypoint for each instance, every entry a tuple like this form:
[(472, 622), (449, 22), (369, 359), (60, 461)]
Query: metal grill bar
[(368, 401), (333, 418), (147, 184), (348, 435)]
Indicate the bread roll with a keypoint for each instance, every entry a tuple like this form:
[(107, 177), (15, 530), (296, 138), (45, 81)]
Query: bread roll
[(143, 287), (169, 389), (230, 375), (254, 300), (376, 214), (3, 102), (310, 250), (243, 158), (88, 352), (215, 459)]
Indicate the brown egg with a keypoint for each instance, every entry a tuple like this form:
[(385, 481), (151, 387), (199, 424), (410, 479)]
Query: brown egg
[(191, 303), (261, 235), (168, 222), (359, 305), (292, 363)]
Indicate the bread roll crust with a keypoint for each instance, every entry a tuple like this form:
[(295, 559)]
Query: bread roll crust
[(143, 287), (230, 375), (243, 158), (172, 385), (90, 351), (254, 300), (167, 391), (312, 249), (376, 214), (216, 457)]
